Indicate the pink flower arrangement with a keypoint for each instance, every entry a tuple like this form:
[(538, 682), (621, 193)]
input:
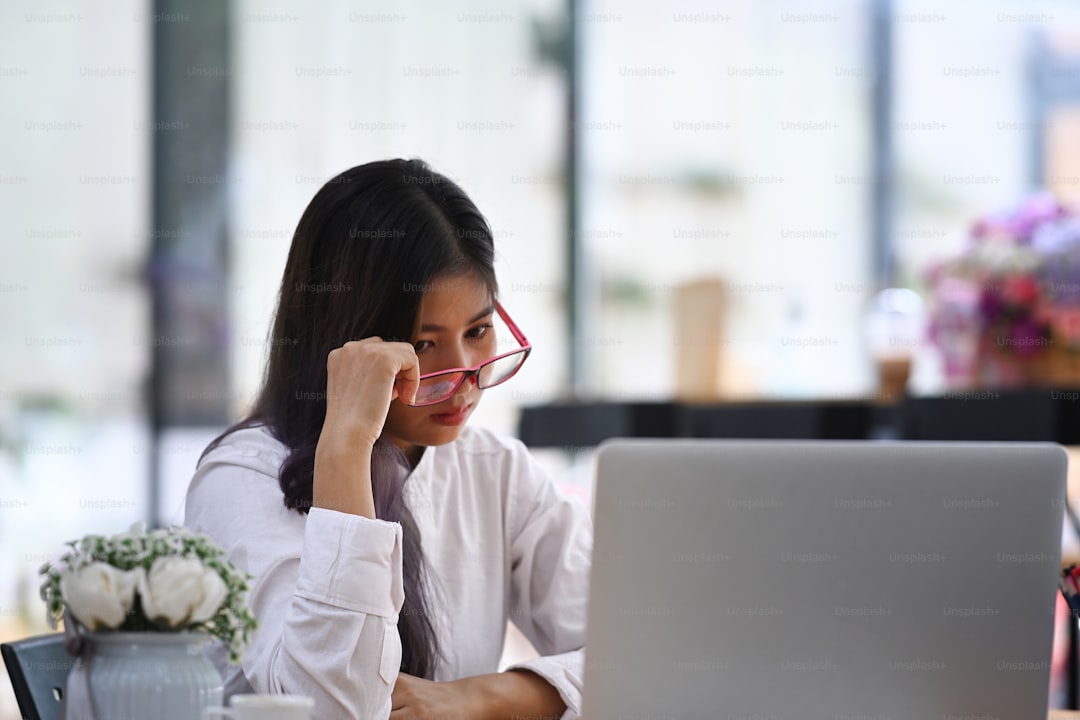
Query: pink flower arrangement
[(1017, 282)]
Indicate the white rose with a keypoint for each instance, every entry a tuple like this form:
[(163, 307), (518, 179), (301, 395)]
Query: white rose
[(181, 591), (99, 595)]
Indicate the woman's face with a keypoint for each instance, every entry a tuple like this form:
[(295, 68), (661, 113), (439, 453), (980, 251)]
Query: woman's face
[(454, 330)]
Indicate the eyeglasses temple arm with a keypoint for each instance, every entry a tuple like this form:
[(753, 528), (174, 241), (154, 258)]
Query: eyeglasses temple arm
[(514, 329)]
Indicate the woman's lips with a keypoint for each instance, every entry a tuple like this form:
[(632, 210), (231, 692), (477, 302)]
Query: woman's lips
[(452, 419)]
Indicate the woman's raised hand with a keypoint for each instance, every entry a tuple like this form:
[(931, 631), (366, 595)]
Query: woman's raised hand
[(363, 378)]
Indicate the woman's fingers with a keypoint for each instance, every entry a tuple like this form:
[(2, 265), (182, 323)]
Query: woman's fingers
[(405, 367), (407, 382)]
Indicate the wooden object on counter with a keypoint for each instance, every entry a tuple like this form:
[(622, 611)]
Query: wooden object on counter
[(699, 340)]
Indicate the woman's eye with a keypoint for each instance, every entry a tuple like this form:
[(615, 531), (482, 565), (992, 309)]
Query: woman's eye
[(479, 331), (421, 345)]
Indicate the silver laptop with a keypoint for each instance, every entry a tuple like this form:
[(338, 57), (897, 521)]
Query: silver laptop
[(765, 580)]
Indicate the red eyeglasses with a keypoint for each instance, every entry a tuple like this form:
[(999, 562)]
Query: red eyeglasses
[(439, 386)]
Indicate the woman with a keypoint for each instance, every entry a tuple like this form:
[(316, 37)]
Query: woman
[(389, 542)]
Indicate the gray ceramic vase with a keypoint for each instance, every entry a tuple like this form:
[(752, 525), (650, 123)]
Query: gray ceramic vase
[(146, 676)]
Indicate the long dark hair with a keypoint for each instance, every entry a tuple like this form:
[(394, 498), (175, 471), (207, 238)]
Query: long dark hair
[(367, 245)]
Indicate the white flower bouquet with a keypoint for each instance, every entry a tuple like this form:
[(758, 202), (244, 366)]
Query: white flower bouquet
[(166, 580)]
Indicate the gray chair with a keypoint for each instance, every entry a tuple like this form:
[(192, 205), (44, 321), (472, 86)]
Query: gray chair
[(38, 667)]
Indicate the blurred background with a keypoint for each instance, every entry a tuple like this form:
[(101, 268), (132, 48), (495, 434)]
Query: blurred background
[(156, 156)]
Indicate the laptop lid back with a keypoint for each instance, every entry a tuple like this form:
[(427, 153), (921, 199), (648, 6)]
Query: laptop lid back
[(759, 579)]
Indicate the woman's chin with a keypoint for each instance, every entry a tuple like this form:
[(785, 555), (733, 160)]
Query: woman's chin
[(442, 435), (433, 435)]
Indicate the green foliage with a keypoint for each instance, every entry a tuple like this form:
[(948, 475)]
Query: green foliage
[(233, 623)]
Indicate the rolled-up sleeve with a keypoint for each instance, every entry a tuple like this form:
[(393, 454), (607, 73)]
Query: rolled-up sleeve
[(326, 590), (551, 549)]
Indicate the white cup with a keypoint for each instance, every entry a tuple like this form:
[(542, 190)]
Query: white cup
[(264, 707)]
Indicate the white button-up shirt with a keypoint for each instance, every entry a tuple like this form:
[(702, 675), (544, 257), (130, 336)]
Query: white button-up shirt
[(501, 542)]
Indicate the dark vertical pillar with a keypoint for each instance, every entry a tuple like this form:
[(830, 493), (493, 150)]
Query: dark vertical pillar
[(575, 279), (189, 377), (559, 45), (882, 185)]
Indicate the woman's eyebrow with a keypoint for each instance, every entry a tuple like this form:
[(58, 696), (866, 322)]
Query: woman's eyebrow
[(439, 328)]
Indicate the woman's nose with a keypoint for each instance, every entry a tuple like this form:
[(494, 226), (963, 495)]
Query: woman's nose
[(463, 357)]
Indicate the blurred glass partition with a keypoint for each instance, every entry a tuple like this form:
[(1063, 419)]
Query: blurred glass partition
[(728, 140), (74, 315)]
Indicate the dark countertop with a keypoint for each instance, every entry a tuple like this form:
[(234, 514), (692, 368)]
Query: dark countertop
[(1038, 414)]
